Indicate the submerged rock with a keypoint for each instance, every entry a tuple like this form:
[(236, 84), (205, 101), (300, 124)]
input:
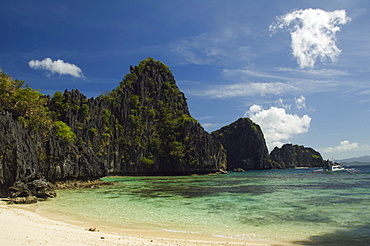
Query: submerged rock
[(81, 184), (23, 200)]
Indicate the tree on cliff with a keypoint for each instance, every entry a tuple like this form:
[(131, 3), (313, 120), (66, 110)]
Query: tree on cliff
[(26, 104), (143, 126)]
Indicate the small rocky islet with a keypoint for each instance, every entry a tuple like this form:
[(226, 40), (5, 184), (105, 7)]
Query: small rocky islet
[(142, 127)]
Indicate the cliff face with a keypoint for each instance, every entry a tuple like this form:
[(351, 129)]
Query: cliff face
[(19, 159), (245, 145), (27, 155), (143, 127), (291, 156)]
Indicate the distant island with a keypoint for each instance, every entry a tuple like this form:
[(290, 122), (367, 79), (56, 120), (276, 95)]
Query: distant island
[(142, 127), (356, 160)]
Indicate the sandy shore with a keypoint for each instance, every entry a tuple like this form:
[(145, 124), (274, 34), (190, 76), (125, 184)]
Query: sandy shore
[(19, 225)]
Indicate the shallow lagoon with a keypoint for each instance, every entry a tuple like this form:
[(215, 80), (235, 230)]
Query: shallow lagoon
[(279, 205)]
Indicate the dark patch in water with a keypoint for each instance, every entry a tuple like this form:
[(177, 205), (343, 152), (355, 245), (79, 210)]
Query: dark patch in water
[(354, 236), (200, 191)]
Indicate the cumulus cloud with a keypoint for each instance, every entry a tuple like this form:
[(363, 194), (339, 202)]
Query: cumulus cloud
[(58, 66), (277, 124), (313, 34), (343, 146)]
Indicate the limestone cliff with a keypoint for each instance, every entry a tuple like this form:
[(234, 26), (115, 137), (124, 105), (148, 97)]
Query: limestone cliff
[(291, 156), (143, 127), (245, 145), (27, 155)]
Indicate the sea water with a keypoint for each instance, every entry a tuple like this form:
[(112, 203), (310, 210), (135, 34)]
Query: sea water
[(293, 205)]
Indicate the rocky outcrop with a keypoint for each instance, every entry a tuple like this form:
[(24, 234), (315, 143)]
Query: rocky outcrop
[(31, 192), (41, 188), (143, 127), (18, 153), (245, 145), (27, 155), (291, 156)]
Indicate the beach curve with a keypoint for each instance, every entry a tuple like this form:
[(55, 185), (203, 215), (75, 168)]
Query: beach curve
[(22, 226)]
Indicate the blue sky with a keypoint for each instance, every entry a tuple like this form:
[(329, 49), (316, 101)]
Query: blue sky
[(300, 69)]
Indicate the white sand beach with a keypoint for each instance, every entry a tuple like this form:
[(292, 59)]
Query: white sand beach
[(19, 225)]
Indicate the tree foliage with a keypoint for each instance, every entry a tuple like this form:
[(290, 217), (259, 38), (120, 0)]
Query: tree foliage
[(30, 107), (64, 131), (58, 105), (25, 103)]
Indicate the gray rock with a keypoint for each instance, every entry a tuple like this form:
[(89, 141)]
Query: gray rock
[(41, 188), (291, 156), (245, 145)]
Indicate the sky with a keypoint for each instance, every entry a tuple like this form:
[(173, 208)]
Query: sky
[(298, 68)]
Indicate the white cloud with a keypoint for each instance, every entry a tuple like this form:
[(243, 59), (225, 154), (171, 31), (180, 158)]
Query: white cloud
[(221, 47), (58, 66), (280, 103), (313, 34), (343, 146), (211, 126), (317, 73), (245, 89), (346, 149), (300, 102), (296, 80), (366, 92), (277, 124)]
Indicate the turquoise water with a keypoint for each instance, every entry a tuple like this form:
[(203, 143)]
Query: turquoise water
[(283, 205)]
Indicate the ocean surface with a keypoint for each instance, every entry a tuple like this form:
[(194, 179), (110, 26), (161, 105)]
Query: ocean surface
[(284, 205)]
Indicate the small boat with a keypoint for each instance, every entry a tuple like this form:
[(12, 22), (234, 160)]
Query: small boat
[(333, 167)]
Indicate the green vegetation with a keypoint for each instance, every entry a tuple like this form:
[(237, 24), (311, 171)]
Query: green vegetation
[(147, 161), (106, 116), (147, 103), (135, 101), (145, 65), (255, 127), (58, 105), (154, 119), (25, 103), (64, 131), (93, 130)]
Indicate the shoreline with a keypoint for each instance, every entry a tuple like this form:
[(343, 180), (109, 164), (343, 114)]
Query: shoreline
[(23, 225)]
